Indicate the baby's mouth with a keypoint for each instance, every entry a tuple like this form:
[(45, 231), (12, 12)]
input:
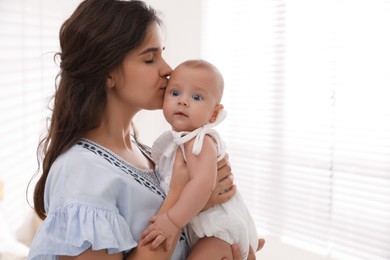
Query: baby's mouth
[(180, 114)]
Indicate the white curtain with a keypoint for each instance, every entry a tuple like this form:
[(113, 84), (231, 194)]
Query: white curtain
[(28, 40), (308, 127)]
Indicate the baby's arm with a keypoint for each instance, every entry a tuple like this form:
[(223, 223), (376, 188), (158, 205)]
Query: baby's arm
[(202, 170)]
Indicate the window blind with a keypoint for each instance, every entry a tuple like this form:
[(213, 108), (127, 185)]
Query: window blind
[(28, 41), (308, 126)]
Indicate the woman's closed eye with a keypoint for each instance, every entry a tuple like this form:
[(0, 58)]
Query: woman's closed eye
[(149, 58)]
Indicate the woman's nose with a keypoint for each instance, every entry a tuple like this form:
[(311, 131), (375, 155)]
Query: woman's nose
[(166, 70)]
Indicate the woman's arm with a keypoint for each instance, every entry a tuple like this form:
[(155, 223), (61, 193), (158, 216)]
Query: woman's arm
[(225, 188)]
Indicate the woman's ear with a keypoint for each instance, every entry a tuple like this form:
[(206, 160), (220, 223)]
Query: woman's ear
[(215, 113), (110, 83)]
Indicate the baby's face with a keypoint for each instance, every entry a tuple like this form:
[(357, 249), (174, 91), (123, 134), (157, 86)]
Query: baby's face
[(191, 98)]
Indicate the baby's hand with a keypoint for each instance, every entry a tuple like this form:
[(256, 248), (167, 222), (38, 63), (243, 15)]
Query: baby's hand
[(161, 229)]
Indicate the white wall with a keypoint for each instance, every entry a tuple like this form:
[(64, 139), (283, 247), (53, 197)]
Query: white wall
[(275, 249)]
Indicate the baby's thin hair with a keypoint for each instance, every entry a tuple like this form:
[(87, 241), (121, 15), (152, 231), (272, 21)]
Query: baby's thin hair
[(203, 64)]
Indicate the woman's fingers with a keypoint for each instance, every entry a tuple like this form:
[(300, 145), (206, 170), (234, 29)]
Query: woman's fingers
[(224, 189), (260, 244), (224, 168), (237, 255), (223, 161), (236, 252), (225, 184), (226, 195), (251, 255)]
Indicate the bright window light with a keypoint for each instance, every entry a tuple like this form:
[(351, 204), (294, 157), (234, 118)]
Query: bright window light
[(308, 127)]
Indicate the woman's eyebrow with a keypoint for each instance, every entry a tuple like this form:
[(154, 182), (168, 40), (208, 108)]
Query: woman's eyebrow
[(153, 49), (149, 50)]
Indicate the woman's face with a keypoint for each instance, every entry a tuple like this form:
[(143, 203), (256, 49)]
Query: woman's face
[(141, 80)]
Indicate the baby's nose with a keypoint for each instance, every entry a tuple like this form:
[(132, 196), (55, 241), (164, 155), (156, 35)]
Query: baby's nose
[(183, 101)]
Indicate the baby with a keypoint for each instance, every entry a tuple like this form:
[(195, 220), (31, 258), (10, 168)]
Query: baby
[(192, 106)]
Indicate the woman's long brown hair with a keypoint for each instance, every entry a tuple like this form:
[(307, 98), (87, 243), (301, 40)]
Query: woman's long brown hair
[(94, 41)]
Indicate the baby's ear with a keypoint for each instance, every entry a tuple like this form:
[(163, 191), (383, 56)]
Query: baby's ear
[(215, 113)]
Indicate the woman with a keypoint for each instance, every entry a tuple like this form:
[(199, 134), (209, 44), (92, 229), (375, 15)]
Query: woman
[(99, 189)]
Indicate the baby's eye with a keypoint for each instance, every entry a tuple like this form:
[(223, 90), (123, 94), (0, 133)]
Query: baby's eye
[(196, 97), (175, 93)]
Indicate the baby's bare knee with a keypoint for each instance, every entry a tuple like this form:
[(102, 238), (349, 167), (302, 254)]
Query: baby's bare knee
[(210, 248)]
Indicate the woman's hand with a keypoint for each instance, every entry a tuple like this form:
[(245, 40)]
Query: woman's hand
[(237, 255), (224, 189)]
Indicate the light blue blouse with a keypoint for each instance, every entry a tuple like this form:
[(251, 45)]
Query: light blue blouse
[(94, 198)]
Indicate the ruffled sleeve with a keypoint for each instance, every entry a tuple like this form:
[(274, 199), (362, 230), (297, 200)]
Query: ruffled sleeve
[(88, 203), (75, 228)]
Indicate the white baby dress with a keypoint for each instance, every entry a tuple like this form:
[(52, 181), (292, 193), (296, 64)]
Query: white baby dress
[(230, 221)]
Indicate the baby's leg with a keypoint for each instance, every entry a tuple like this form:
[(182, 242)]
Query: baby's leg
[(210, 248)]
